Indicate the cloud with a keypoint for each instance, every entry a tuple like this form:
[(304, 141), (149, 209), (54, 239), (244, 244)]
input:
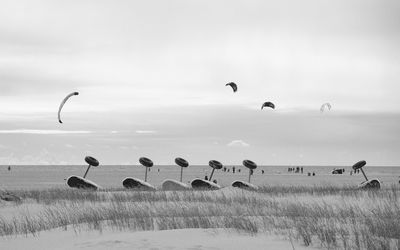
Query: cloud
[(238, 143), (41, 157), (43, 132), (145, 132)]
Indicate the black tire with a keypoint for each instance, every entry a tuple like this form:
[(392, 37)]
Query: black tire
[(249, 164), (359, 164), (146, 162), (91, 161), (181, 162), (215, 164)]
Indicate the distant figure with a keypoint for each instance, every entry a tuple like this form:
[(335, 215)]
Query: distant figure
[(206, 178), (309, 174), (297, 169), (288, 169), (228, 170), (9, 168), (239, 170), (313, 174), (158, 170), (262, 171), (224, 169), (301, 169), (233, 169)]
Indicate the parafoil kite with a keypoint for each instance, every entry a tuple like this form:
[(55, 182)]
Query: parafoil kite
[(325, 106), (233, 85), (268, 104), (63, 102)]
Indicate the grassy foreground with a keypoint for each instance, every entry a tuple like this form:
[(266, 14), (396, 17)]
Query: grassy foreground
[(330, 217)]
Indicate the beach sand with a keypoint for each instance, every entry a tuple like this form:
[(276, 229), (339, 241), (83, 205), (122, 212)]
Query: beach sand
[(194, 239)]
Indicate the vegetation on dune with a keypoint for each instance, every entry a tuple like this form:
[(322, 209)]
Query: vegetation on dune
[(335, 218)]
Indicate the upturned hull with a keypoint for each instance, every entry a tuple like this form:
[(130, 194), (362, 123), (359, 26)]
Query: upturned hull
[(82, 183), (133, 183), (244, 185), (174, 185), (373, 183), (204, 184)]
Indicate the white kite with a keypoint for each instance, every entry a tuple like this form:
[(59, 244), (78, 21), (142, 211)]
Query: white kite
[(325, 106)]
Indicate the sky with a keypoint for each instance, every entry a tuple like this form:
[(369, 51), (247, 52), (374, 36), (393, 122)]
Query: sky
[(151, 79)]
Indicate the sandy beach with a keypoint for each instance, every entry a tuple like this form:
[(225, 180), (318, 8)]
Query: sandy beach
[(193, 239)]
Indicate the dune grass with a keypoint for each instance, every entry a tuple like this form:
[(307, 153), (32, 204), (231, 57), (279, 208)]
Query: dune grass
[(331, 217)]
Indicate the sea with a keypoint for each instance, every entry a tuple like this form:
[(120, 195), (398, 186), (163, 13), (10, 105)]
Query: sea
[(111, 176)]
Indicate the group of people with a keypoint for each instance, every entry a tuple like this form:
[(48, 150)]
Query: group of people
[(234, 170), (225, 169), (295, 169), (299, 170)]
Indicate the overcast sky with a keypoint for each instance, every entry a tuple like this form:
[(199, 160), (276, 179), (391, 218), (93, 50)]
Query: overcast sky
[(151, 77)]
